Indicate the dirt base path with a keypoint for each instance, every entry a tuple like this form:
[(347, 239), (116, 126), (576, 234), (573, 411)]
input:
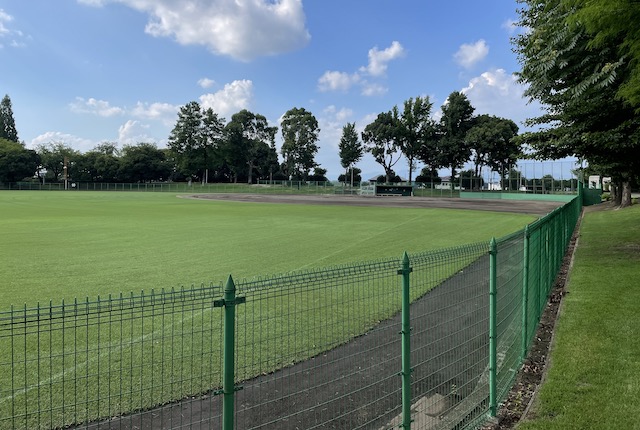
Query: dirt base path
[(534, 207)]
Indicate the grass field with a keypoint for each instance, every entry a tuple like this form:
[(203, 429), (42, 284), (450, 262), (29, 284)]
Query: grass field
[(59, 245), (86, 244), (593, 379)]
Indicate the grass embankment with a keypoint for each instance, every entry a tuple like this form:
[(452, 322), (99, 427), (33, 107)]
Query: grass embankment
[(593, 380)]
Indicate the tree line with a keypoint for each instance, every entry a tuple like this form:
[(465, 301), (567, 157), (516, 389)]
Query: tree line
[(203, 146)]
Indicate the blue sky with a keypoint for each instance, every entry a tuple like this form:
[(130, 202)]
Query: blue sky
[(87, 71)]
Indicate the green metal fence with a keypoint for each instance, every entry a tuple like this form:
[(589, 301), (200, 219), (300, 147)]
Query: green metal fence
[(431, 340)]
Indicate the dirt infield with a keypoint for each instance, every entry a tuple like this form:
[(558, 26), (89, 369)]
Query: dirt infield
[(533, 207)]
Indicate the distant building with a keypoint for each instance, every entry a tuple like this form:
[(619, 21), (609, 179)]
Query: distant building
[(446, 184)]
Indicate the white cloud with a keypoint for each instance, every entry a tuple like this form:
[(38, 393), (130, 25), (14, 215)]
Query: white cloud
[(373, 89), (164, 112), (511, 26), (206, 82), (243, 30), (498, 93), (14, 37), (378, 60), (232, 98), (4, 18), (337, 81), (470, 54), (133, 132), (94, 106), (377, 67), (75, 142)]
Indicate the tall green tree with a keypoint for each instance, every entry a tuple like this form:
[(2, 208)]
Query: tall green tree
[(16, 162), (564, 70), (381, 140), (194, 140), (351, 149), (247, 146), (7, 122), (456, 120), (492, 142), (300, 133), (416, 130)]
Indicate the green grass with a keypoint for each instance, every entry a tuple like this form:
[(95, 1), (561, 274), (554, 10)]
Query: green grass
[(593, 378), (65, 245)]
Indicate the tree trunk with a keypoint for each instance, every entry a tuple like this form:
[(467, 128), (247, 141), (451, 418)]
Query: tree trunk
[(616, 194), (410, 170), (625, 195)]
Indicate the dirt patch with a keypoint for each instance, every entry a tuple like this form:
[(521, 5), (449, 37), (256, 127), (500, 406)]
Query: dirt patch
[(533, 207)]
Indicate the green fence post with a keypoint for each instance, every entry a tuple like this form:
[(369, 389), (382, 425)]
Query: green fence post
[(493, 347), (525, 296), (406, 343), (228, 379)]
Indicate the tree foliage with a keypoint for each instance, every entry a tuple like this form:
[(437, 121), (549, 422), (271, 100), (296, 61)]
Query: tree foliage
[(416, 130), (16, 162), (195, 138), (382, 141), (248, 144), (300, 135), (570, 75), (350, 147), (7, 122), (52, 158), (613, 23), (453, 149), (143, 162), (492, 142)]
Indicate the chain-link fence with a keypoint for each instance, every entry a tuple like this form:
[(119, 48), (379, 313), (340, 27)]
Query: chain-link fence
[(433, 340)]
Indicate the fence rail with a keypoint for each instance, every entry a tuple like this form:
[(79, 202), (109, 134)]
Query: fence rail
[(326, 348)]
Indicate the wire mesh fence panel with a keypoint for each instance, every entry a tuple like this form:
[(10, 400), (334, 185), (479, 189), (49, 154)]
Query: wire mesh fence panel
[(510, 272), (78, 363), (327, 345), (448, 338)]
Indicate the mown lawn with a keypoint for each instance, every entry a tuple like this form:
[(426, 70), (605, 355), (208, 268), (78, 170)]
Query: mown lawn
[(593, 379), (63, 245), (109, 357)]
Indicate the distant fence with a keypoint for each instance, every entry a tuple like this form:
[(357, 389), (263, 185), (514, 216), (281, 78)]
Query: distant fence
[(428, 341)]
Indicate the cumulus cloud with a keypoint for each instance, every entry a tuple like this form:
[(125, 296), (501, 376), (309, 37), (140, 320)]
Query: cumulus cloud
[(497, 92), (77, 143), (232, 98), (164, 112), (377, 68), (379, 60), (94, 106), (133, 132), (470, 54), (206, 82), (242, 30), (337, 81)]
